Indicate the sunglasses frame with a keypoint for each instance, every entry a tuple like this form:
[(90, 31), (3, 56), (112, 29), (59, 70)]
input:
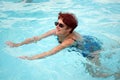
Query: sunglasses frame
[(59, 24)]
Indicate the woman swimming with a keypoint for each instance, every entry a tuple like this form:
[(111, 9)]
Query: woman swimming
[(67, 37)]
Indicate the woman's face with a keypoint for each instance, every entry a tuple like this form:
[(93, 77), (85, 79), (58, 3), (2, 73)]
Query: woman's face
[(61, 28)]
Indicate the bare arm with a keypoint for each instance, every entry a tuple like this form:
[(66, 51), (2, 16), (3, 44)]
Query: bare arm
[(51, 52), (31, 40)]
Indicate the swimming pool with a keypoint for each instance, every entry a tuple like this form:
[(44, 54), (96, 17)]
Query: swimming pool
[(18, 20)]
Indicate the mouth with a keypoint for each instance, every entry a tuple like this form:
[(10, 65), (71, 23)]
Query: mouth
[(57, 29)]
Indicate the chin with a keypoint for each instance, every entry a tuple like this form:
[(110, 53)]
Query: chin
[(57, 33)]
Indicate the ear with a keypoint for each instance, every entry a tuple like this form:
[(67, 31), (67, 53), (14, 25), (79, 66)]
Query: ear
[(69, 29)]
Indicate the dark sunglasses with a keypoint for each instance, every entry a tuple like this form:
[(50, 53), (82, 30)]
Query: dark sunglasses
[(59, 24)]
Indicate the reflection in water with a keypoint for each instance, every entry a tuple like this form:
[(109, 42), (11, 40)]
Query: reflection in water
[(96, 69)]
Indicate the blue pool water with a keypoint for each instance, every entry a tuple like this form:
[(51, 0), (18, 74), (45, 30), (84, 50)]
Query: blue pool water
[(20, 20)]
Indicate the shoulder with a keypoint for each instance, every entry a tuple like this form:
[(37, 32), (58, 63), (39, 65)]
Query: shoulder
[(53, 31), (76, 36), (67, 42)]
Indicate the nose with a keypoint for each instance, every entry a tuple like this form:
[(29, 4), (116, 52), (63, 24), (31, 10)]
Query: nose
[(57, 27)]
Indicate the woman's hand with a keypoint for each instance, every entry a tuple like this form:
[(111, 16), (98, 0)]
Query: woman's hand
[(26, 58), (11, 44)]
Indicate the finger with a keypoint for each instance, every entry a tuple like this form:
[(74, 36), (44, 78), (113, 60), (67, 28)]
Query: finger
[(8, 42)]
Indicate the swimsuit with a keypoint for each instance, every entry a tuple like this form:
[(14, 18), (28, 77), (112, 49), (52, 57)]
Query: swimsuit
[(88, 45)]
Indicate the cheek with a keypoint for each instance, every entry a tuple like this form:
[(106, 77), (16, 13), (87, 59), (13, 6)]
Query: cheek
[(62, 32)]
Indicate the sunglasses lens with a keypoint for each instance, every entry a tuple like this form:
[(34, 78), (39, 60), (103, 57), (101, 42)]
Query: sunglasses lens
[(56, 23), (61, 25)]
